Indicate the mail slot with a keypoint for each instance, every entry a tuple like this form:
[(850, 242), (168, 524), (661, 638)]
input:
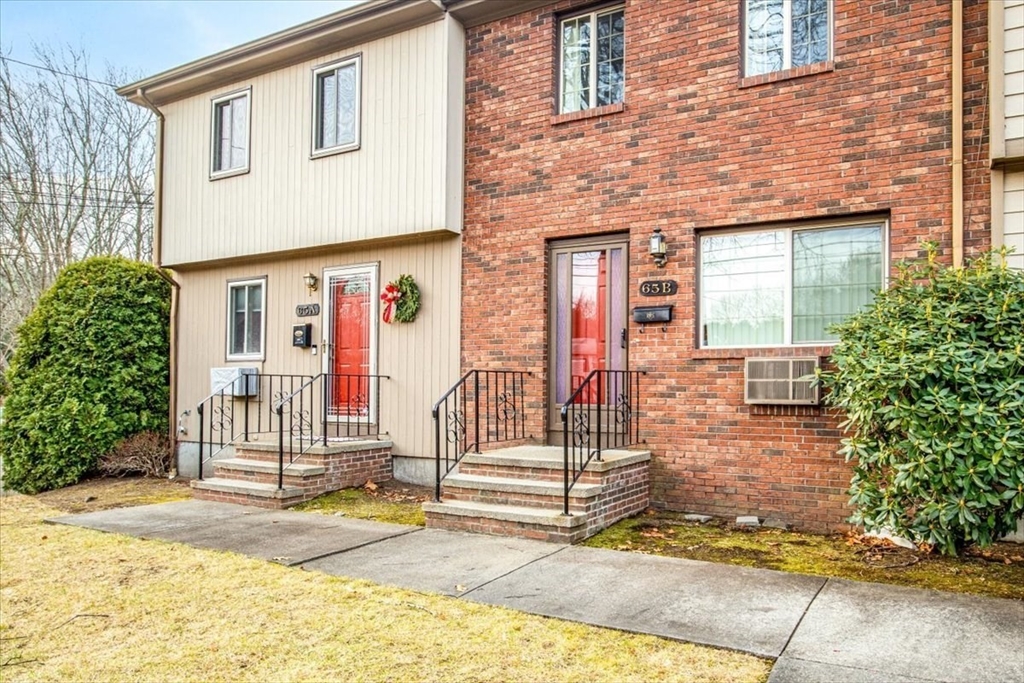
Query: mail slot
[(652, 314)]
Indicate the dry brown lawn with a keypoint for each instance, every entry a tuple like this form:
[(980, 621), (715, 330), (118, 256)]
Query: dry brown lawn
[(80, 605)]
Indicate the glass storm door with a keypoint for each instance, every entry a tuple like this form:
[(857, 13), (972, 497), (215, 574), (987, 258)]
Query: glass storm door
[(588, 320), (350, 346)]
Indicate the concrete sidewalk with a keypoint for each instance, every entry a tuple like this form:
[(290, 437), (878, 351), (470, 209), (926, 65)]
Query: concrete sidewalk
[(817, 629)]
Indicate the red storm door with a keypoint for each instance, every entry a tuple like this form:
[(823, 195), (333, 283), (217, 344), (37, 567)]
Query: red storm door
[(350, 343)]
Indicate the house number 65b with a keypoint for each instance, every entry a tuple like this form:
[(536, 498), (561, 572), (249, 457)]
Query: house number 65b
[(658, 288)]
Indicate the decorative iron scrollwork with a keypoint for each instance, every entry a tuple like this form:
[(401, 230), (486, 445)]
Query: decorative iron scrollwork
[(581, 430), (279, 398), (456, 429), (506, 406), (623, 411), (358, 405), (301, 423), (221, 420)]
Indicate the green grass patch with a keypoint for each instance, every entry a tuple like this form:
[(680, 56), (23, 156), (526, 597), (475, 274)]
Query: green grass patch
[(392, 503), (997, 571)]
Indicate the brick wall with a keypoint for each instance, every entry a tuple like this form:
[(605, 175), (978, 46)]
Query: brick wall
[(696, 147)]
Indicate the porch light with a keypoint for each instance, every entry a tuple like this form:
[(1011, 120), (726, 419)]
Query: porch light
[(659, 250), (311, 282)]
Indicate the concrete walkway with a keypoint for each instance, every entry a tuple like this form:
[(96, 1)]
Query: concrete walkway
[(818, 629)]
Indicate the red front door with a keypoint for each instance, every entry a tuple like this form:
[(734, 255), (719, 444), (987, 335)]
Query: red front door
[(350, 342)]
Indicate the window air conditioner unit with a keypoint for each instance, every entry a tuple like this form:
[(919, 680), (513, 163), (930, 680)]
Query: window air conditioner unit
[(240, 381), (781, 381)]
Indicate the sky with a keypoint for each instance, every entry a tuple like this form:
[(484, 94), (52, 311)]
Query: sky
[(147, 36)]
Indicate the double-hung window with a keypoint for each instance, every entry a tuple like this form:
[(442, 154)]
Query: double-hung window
[(230, 144), (246, 321), (783, 34), (592, 64), (787, 286), (336, 103)]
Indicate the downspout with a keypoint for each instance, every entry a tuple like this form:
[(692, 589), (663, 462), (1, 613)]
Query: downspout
[(958, 134), (158, 225)]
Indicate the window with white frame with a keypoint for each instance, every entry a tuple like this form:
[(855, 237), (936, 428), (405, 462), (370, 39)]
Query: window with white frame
[(592, 64), (230, 144), (782, 34), (246, 322), (787, 286), (336, 103)]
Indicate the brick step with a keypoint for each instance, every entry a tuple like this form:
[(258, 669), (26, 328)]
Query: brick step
[(506, 520), (252, 493), (519, 492), (296, 474), (317, 454)]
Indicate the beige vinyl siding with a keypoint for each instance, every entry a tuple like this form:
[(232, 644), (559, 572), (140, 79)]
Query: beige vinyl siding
[(398, 183), (422, 357), (1013, 74), (1013, 215)]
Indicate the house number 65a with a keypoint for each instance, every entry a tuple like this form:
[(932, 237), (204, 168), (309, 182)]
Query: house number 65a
[(658, 288)]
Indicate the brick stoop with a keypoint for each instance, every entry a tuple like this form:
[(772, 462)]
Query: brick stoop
[(518, 492), (251, 477)]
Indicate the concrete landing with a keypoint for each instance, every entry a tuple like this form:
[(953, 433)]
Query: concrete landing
[(288, 538)]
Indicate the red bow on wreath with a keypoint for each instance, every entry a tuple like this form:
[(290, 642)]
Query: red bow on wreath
[(390, 296)]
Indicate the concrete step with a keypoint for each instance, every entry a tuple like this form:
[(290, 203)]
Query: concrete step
[(534, 487), (543, 524), (253, 493), (265, 467), (544, 463), (529, 493)]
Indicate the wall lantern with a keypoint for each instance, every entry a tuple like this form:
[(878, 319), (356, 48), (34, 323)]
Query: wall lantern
[(659, 251), (311, 281)]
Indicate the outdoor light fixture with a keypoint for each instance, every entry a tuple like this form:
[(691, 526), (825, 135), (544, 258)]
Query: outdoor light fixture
[(311, 281), (659, 251)]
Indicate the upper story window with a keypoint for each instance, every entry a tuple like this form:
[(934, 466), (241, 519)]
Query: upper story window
[(230, 144), (246, 322), (592, 60), (786, 286), (783, 34), (336, 105)]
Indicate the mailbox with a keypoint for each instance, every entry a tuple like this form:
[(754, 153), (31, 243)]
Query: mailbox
[(302, 335), (652, 314)]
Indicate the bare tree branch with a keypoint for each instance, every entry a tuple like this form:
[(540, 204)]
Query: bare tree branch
[(76, 177)]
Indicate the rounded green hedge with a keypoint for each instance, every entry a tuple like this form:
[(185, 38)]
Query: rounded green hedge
[(931, 378), (90, 369)]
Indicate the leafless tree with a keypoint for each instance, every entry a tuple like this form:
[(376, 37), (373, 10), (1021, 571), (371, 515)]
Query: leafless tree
[(76, 176)]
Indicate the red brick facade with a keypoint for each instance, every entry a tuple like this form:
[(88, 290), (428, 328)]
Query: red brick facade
[(696, 147)]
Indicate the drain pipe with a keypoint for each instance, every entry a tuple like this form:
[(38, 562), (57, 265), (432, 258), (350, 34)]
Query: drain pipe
[(958, 134), (158, 225)]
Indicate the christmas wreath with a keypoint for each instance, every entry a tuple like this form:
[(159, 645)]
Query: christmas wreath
[(401, 299)]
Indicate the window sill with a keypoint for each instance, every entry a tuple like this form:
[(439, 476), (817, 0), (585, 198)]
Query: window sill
[(331, 151), (788, 74), (221, 175), (588, 113), (821, 351), (251, 358)]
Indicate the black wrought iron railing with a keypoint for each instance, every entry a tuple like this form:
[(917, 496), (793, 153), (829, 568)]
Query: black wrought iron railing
[(296, 410), (601, 414), (241, 409), (328, 406), (484, 406)]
